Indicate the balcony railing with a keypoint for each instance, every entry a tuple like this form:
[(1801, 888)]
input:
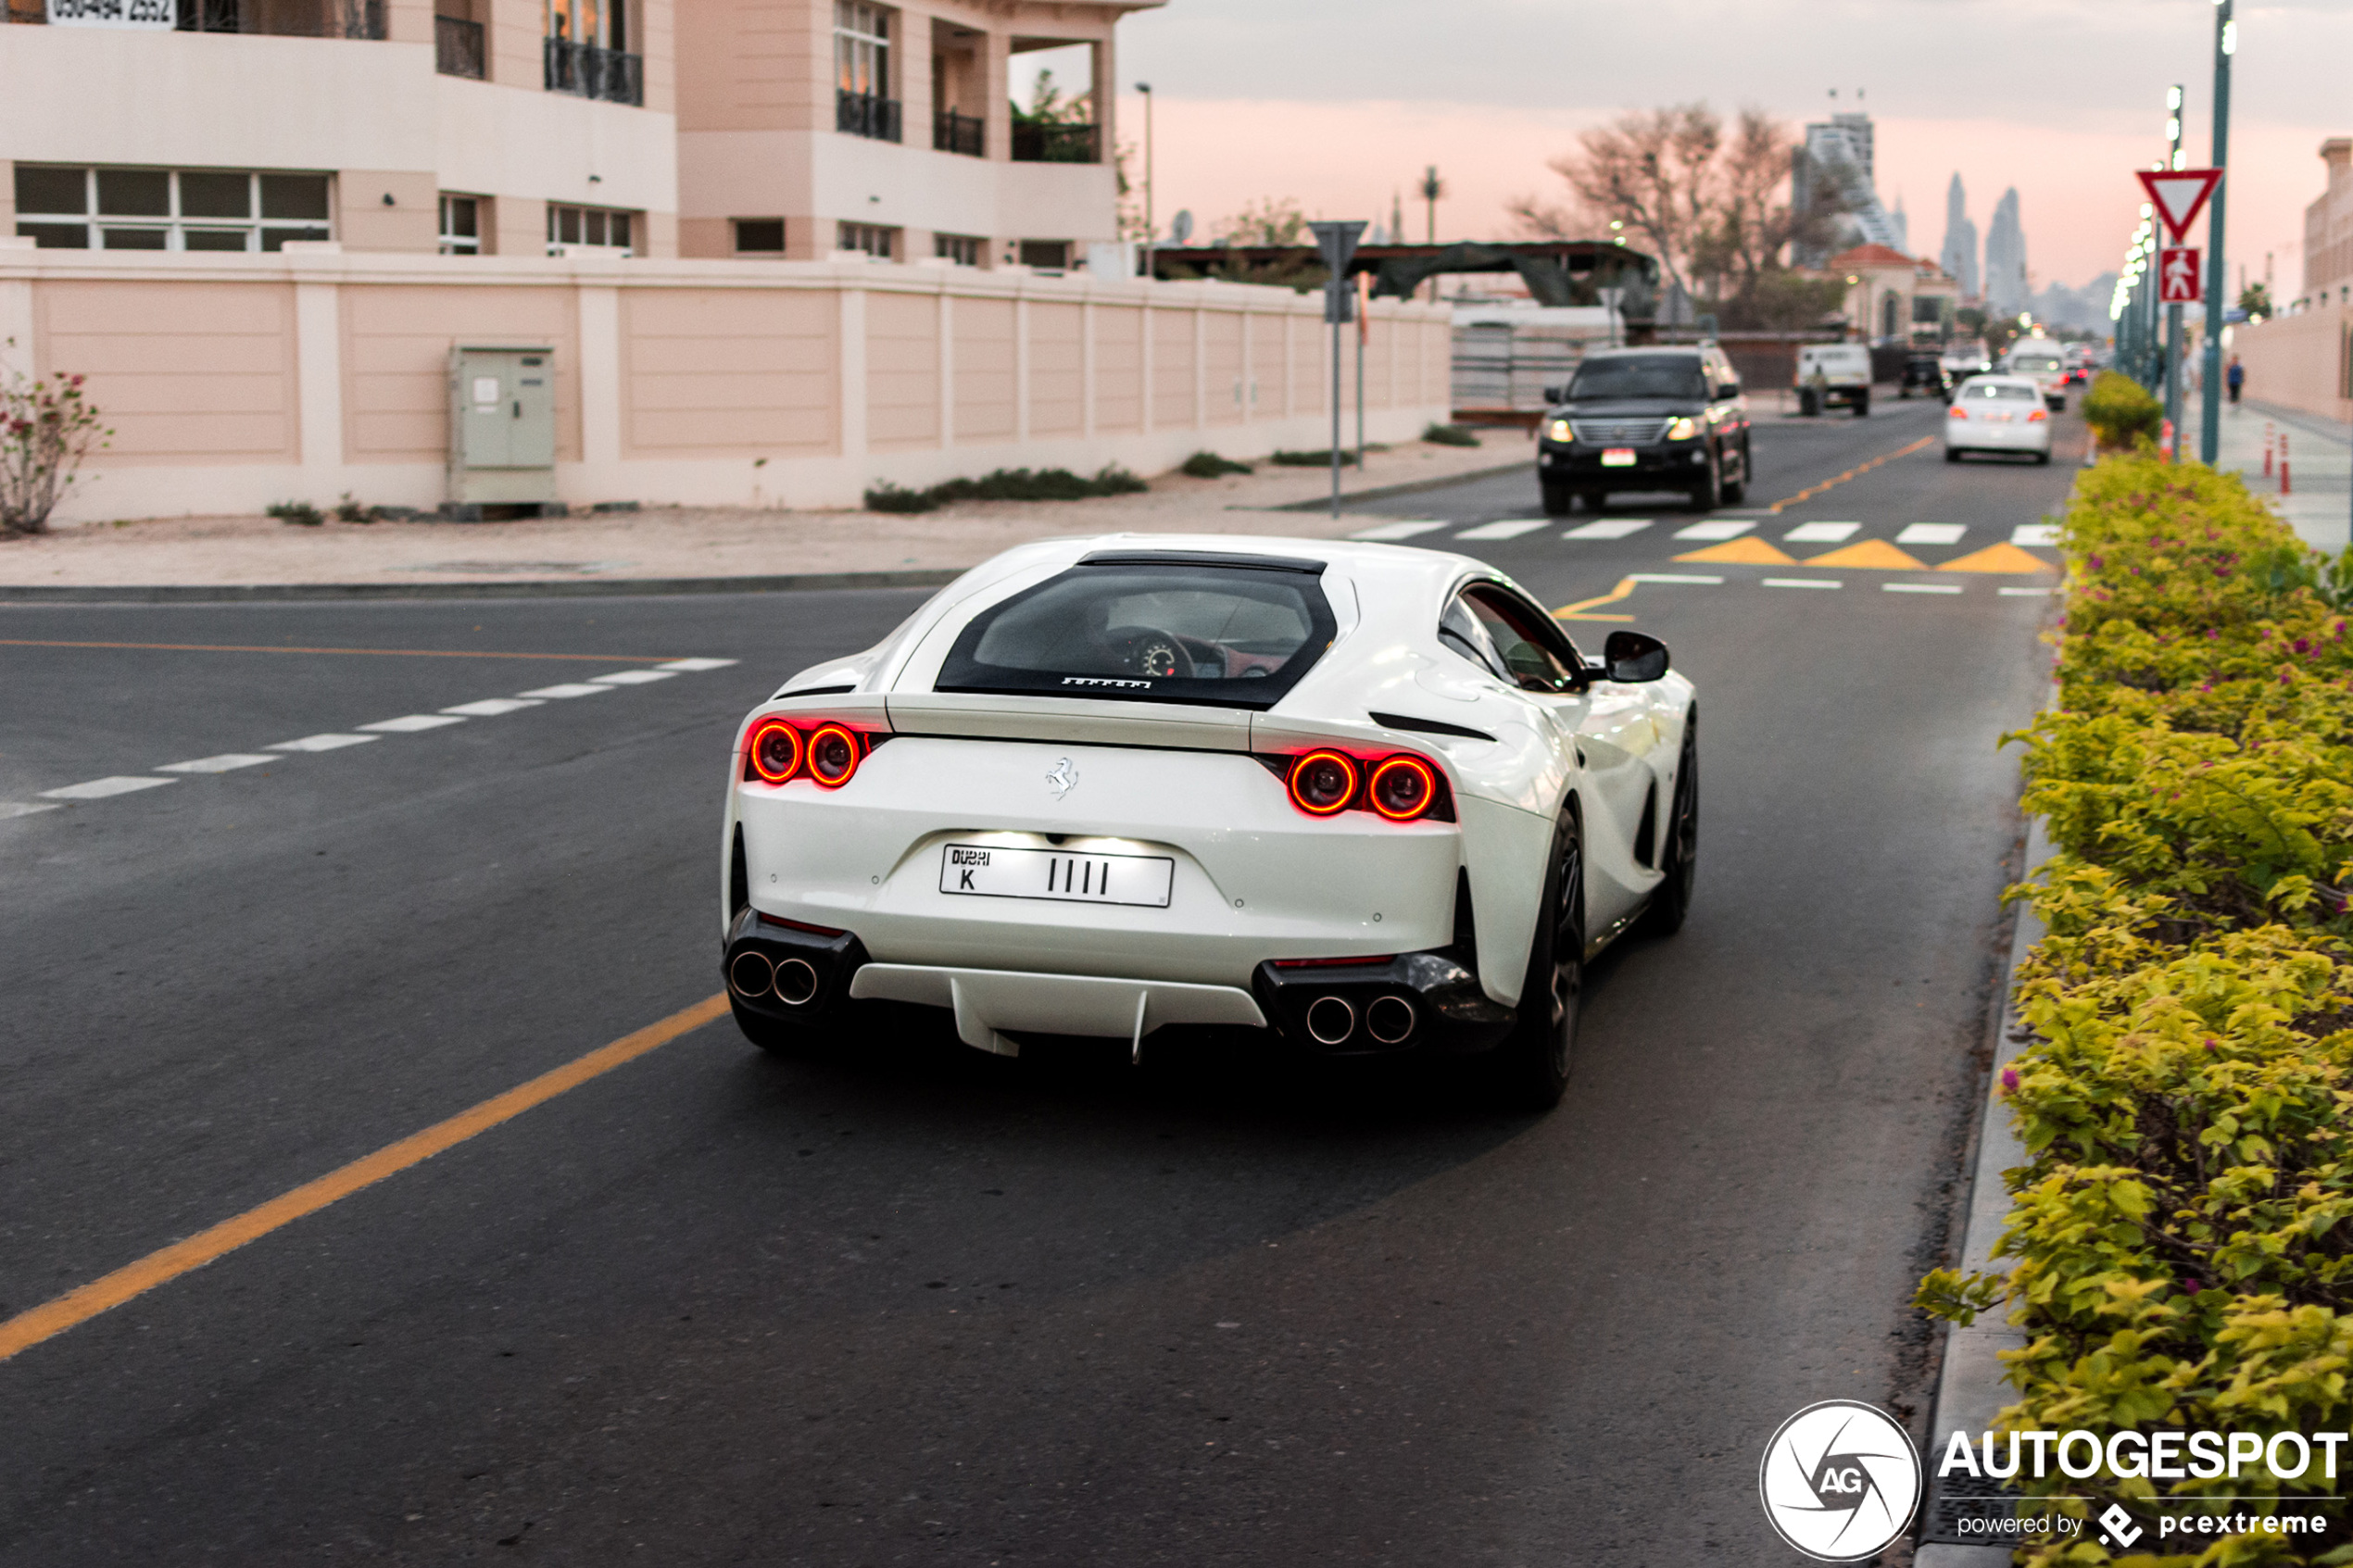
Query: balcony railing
[(595, 73), (1047, 141), (457, 47), (953, 132), (866, 114)]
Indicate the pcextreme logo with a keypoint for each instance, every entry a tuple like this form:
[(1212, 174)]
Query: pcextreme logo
[(1839, 1480)]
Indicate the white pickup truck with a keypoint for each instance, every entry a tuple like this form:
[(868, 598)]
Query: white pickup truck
[(1834, 373)]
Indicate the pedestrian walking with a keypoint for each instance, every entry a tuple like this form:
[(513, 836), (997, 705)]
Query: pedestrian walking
[(2237, 378)]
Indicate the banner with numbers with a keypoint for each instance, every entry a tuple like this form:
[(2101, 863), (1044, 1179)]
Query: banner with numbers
[(162, 15)]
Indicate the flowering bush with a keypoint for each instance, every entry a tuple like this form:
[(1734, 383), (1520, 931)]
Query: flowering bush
[(2120, 412), (2180, 1239), (47, 426)]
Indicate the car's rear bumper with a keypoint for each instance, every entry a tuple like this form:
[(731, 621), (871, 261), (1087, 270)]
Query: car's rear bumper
[(1977, 436)]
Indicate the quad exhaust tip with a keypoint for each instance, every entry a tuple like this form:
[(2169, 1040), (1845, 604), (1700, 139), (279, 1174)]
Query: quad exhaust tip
[(795, 982), (1391, 1019), (1331, 1020), (750, 973)]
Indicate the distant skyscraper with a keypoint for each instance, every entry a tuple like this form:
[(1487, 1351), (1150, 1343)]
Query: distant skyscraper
[(2005, 292), (1903, 225), (1836, 160), (1959, 255)]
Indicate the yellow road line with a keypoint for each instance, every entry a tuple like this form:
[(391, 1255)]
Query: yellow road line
[(1571, 613), (386, 653), (1850, 473), (76, 1307)]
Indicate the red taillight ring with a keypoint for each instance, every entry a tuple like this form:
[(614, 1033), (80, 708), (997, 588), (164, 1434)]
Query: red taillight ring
[(760, 734), (1315, 759), (1413, 764), (822, 746)]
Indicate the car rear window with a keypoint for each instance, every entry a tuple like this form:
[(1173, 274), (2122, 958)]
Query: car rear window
[(2010, 391), (1227, 635), (1640, 375)]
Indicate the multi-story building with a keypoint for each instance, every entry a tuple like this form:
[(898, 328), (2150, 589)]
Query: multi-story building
[(2328, 230), (734, 128), (1894, 298)]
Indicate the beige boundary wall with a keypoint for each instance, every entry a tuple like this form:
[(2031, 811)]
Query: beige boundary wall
[(236, 380), (2301, 361)]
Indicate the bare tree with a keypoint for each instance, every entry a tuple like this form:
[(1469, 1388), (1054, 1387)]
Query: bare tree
[(1270, 221)]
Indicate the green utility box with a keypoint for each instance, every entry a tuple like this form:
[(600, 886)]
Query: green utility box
[(502, 425)]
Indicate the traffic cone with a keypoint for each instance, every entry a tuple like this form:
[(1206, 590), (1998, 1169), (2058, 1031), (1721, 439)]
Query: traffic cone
[(2165, 442)]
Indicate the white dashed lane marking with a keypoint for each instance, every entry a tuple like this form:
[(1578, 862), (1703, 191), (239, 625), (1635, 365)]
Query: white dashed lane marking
[(491, 707), (98, 789), (1390, 533), (227, 763), (1803, 582), (1509, 529), (412, 723), (1609, 528), (1931, 533), (2024, 593), (1920, 588), (1723, 528), (1675, 577), (1821, 532)]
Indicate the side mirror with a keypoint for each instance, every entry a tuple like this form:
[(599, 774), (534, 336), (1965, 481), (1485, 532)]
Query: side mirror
[(1556, 394), (1630, 656), (1729, 389)]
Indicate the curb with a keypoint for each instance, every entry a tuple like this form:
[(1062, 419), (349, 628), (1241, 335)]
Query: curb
[(559, 587), (1970, 1391), (1413, 487)]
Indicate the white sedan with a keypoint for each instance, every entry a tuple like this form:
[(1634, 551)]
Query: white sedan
[(1368, 796), (1997, 414)]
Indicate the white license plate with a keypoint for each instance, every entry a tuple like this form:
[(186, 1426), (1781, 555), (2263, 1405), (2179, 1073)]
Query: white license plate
[(1618, 456), (990, 870)]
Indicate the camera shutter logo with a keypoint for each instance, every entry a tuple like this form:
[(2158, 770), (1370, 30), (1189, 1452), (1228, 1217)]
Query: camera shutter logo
[(1840, 1481)]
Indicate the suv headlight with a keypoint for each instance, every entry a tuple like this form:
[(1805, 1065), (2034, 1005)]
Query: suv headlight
[(1682, 429), (1559, 431)]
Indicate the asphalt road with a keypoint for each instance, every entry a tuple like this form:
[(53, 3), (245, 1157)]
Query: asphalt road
[(907, 1303)]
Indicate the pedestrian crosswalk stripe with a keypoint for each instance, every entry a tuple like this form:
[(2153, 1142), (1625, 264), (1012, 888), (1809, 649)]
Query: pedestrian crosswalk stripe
[(1719, 528), (1931, 533), (98, 789), (2035, 536), (1609, 528), (1391, 531), (1821, 532), (1511, 529), (226, 763)]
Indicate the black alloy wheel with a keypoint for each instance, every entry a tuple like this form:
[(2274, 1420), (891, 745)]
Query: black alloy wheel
[(1532, 1066), (1560, 498), (1736, 491), (1672, 900)]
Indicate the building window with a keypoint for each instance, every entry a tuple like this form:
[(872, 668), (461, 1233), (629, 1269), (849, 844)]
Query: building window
[(460, 225), (587, 51), (62, 208), (961, 249), (589, 228), (863, 104), (1047, 255), (872, 238), (759, 236)]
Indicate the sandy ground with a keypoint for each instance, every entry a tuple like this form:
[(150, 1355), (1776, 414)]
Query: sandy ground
[(678, 542)]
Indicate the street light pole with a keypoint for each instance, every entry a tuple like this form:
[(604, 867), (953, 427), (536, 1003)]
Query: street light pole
[(1146, 89), (2226, 44), (2173, 160)]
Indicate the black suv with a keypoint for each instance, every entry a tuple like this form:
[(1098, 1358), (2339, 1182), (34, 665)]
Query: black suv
[(1926, 372), (1645, 419)]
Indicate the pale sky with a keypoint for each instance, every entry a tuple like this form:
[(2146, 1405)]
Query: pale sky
[(1340, 103)]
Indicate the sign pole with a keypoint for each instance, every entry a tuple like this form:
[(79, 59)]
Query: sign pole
[(1337, 241), (2226, 44)]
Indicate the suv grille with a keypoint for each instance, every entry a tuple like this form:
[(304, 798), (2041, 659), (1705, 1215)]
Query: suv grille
[(1618, 433)]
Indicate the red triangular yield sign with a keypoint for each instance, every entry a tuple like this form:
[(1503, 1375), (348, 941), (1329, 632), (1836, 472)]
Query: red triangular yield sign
[(2179, 195)]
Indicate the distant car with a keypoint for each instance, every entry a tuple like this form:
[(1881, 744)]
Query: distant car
[(1998, 414), (1833, 374), (1369, 797), (1963, 360), (2079, 363), (1646, 418), (2043, 362), (1927, 372)]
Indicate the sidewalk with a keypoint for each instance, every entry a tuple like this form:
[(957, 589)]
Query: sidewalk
[(2320, 504), (674, 543)]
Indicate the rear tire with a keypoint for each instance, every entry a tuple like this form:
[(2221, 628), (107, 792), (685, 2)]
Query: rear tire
[(1672, 901), (1708, 494), (1559, 498), (1862, 405), (1532, 1066), (1952, 454), (2043, 458)]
